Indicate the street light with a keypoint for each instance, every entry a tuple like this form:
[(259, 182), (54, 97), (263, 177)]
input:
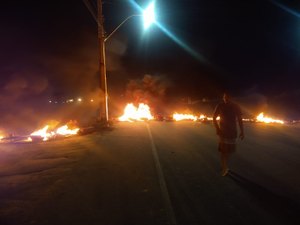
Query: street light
[(148, 17)]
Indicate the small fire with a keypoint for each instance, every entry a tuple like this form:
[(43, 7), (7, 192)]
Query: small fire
[(2, 135), (248, 120), (29, 139), (207, 118), (179, 117), (262, 118), (202, 117), (132, 113), (191, 117)]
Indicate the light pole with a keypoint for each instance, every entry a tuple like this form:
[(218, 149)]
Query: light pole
[(102, 65), (149, 18)]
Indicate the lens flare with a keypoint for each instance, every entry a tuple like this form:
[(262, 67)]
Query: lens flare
[(149, 16)]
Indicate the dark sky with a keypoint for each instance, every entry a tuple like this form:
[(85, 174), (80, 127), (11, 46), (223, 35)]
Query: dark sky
[(49, 49)]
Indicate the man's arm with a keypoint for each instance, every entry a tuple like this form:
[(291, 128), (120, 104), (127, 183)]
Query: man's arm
[(215, 122), (241, 125)]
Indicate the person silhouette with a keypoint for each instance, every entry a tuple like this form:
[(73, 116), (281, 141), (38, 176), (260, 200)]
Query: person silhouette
[(226, 116)]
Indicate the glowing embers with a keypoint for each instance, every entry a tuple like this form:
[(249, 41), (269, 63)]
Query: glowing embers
[(263, 119), (140, 113)]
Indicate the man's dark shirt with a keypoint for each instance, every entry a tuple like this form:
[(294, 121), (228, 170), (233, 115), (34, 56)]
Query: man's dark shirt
[(228, 112)]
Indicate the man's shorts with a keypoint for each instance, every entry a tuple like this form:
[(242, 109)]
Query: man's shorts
[(227, 145)]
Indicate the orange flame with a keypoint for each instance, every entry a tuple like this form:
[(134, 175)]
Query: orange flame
[(2, 135), (179, 117), (29, 139), (43, 133), (262, 118), (202, 117), (63, 131), (132, 113)]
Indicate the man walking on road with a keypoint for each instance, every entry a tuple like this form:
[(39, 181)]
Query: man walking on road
[(229, 115)]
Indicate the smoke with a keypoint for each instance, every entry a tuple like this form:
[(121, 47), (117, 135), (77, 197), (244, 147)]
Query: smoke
[(150, 90), (282, 105), (287, 104), (58, 73), (19, 87), (54, 62), (19, 100), (115, 49)]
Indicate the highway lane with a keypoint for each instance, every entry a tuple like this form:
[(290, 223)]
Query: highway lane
[(263, 186), (102, 178), (112, 177)]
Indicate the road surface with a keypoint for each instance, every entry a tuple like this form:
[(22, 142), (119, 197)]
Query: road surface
[(152, 173)]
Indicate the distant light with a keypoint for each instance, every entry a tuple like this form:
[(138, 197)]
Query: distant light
[(79, 100), (92, 100), (70, 100), (149, 16), (50, 101)]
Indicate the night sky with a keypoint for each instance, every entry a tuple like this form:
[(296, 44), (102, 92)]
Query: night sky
[(49, 50)]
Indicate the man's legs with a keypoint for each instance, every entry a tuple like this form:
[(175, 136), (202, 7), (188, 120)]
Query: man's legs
[(224, 163), (225, 149)]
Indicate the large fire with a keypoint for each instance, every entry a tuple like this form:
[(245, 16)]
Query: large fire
[(131, 113), (43, 133), (262, 118), (62, 131), (140, 113), (48, 132)]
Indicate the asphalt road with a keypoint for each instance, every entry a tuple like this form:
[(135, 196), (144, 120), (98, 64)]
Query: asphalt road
[(152, 173)]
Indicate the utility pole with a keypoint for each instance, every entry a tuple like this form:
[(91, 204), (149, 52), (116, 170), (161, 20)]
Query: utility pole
[(102, 66), (148, 17)]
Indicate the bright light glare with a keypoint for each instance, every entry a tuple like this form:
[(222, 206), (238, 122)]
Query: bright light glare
[(149, 16)]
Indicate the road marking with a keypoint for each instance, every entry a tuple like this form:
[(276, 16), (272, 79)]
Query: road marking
[(162, 182)]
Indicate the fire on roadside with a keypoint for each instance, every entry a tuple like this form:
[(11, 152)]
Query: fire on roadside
[(179, 117), (202, 117), (45, 133), (264, 119), (143, 113), (1, 135), (48, 132), (191, 117), (133, 113)]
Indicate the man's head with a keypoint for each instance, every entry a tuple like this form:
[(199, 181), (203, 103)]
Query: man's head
[(226, 97)]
